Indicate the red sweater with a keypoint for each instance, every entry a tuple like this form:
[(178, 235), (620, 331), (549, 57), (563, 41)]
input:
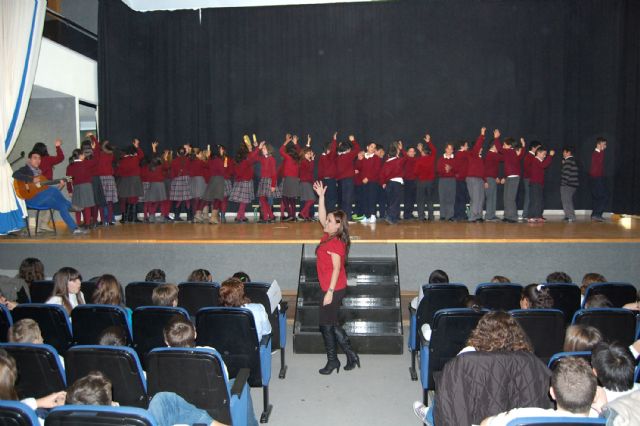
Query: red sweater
[(180, 167), (410, 168), (81, 171), (290, 168), (511, 161), (442, 161), (537, 169), (526, 164), (492, 162), (327, 163), (268, 168), (476, 162), (425, 167), (215, 167), (392, 168), (370, 168), (47, 163), (597, 164), (345, 168), (130, 165), (306, 170), (155, 175), (244, 169), (462, 164), (197, 167), (105, 161), (230, 170)]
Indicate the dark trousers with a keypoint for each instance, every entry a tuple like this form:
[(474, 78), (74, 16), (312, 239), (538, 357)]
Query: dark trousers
[(425, 193), (328, 314), (359, 195), (394, 198), (462, 197), (382, 201), (536, 199), (599, 196), (369, 197), (409, 198), (331, 196), (345, 195)]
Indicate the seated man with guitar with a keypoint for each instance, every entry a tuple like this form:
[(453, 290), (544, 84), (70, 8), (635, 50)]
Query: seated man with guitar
[(32, 186)]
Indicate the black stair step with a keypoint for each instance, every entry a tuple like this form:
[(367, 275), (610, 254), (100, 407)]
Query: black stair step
[(309, 315), (311, 343), (382, 291)]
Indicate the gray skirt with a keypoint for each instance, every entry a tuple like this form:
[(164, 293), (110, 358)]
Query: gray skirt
[(83, 196), (130, 186), (156, 192), (306, 191), (215, 189), (291, 187), (198, 186)]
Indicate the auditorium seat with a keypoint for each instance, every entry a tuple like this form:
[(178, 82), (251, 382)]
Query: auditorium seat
[(53, 322), (615, 324), (91, 415), (139, 294), (498, 296), (148, 324), (566, 297), (450, 330), (16, 413), (586, 355), (88, 321), (436, 297), (195, 296), (618, 294), (40, 291), (40, 371), (232, 331), (197, 375), (257, 293), (6, 321), (557, 421), (120, 364), (545, 328)]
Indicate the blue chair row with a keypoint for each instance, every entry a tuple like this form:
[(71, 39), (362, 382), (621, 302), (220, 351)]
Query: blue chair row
[(619, 294)]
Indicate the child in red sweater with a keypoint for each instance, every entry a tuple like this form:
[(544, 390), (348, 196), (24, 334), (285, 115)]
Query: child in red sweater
[(290, 152), (410, 185), (475, 179), (447, 182), (103, 153), (155, 193), (512, 153), (369, 168), (536, 181), (345, 173), (327, 174), (492, 161), (180, 192), (268, 186), (129, 182), (197, 173), (242, 192), (392, 181), (599, 191), (81, 170), (217, 165), (425, 169), (307, 195)]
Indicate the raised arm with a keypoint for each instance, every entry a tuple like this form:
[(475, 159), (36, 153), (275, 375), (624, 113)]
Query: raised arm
[(320, 189)]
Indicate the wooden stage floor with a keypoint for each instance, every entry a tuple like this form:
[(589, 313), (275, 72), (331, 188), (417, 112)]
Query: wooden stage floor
[(616, 230)]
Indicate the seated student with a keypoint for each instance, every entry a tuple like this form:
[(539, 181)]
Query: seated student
[(634, 306), (200, 276), (109, 292), (598, 301), (156, 276), (8, 377), (624, 410), (587, 280), (497, 331), (165, 295), (66, 289), (232, 295), (166, 408), (499, 279), (536, 296), (27, 331), (242, 276), (113, 336), (558, 277), (581, 338), (615, 367), (470, 301), (16, 290), (10, 304), (438, 276), (573, 387)]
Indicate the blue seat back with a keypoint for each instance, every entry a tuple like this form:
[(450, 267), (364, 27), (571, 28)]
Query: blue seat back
[(148, 325), (40, 371), (566, 297), (139, 293), (41, 291), (557, 421), (545, 328), (15, 413), (53, 322), (257, 292), (196, 374), (120, 364), (586, 355), (615, 324), (499, 296), (195, 296), (439, 296), (232, 331), (619, 294), (88, 321), (91, 415), (6, 321)]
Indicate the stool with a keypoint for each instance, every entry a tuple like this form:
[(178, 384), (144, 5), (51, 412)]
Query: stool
[(53, 222)]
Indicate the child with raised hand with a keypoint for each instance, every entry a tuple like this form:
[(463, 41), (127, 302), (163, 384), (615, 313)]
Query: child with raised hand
[(81, 170), (197, 172), (392, 181), (290, 152), (327, 173), (409, 186), (447, 182), (180, 193), (425, 169), (536, 183), (492, 161), (462, 192), (129, 182), (512, 152), (345, 172), (526, 174), (268, 185), (475, 179), (370, 166), (242, 192), (306, 181)]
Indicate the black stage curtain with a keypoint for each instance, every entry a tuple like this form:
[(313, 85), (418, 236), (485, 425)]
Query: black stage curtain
[(562, 72)]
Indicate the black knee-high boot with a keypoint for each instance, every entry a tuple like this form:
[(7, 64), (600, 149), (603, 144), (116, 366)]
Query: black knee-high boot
[(329, 337), (345, 344)]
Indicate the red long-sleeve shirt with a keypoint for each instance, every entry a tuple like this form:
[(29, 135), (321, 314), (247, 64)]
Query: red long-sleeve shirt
[(537, 169), (410, 168), (155, 175), (81, 171), (180, 167), (345, 162), (306, 170), (392, 168), (130, 165), (597, 164), (451, 162), (244, 169), (47, 163), (230, 170), (197, 167), (511, 161), (526, 164), (105, 161), (268, 169), (492, 162), (370, 168), (290, 167), (476, 162), (425, 167), (327, 163), (462, 164), (215, 167)]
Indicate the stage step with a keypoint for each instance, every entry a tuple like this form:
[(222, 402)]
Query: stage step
[(370, 311)]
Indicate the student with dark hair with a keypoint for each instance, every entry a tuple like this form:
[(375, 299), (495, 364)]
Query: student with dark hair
[(215, 191), (327, 173), (242, 276), (103, 153), (242, 191), (536, 183), (47, 164), (381, 197), (588, 279), (129, 182), (369, 171), (475, 179), (500, 279), (268, 186), (426, 178), (113, 336), (598, 301), (307, 196), (156, 276), (200, 276), (569, 183), (614, 366), (345, 172), (512, 152), (393, 182), (155, 193), (536, 296), (16, 290), (81, 170), (599, 191), (66, 289), (92, 389), (290, 152), (409, 183), (437, 276), (165, 295), (180, 190), (492, 161), (179, 332), (447, 182), (580, 337), (462, 192), (558, 277), (526, 175)]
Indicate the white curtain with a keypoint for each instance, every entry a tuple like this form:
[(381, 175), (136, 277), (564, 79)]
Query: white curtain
[(21, 23)]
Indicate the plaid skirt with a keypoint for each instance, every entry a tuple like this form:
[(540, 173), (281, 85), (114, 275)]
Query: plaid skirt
[(228, 187), (180, 189), (242, 192), (98, 194), (109, 189), (83, 196), (130, 186), (154, 192), (215, 189), (264, 189), (198, 186), (291, 187), (306, 191)]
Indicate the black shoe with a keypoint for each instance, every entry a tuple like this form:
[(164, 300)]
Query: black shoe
[(345, 344), (329, 337)]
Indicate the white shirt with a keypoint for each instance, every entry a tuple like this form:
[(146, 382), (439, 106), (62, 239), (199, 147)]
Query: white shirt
[(503, 418), (263, 326), (57, 300), (613, 395)]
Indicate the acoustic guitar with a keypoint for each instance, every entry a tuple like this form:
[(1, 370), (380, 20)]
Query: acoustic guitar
[(28, 190)]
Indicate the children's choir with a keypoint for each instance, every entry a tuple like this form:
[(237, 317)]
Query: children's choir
[(201, 182)]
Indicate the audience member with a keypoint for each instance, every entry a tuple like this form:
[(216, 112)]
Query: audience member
[(156, 276), (499, 279), (165, 295), (16, 290), (470, 301), (498, 331), (558, 277), (536, 296), (590, 278), (634, 306), (598, 301), (109, 292), (242, 276), (624, 410), (25, 331), (113, 336), (232, 295), (66, 289), (200, 276), (614, 366), (581, 338), (438, 276)]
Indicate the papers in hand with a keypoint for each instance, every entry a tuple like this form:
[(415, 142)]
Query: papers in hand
[(274, 294)]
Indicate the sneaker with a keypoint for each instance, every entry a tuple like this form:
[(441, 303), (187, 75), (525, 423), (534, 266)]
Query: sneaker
[(357, 217), (420, 410), (364, 220), (79, 231), (372, 219)]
